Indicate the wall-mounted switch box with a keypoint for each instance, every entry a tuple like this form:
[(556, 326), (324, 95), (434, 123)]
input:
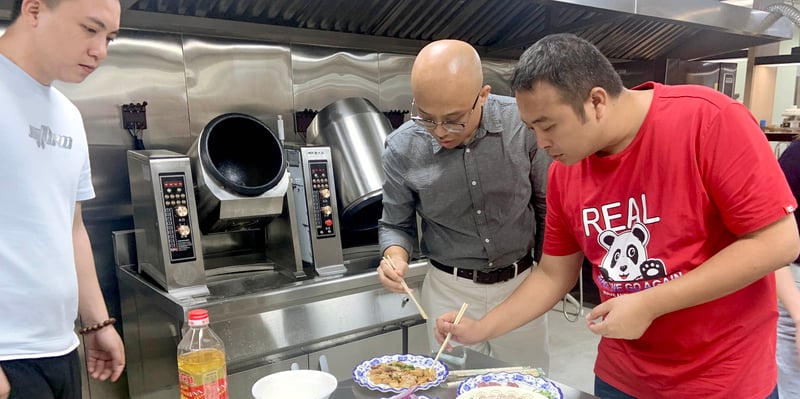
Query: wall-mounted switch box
[(134, 116)]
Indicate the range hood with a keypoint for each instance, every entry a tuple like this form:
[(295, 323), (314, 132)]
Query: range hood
[(622, 29)]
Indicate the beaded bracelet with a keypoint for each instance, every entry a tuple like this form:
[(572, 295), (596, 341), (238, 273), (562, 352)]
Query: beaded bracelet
[(97, 326)]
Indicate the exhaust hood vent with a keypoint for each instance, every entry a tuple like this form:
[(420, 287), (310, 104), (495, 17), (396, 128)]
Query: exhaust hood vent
[(778, 60), (622, 29)]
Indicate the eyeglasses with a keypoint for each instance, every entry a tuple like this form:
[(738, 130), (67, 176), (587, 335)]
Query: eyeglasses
[(450, 126)]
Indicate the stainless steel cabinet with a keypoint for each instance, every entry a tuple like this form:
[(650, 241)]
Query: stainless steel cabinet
[(418, 339), (344, 358), (339, 360)]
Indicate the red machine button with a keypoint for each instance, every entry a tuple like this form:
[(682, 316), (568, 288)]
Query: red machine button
[(329, 222)]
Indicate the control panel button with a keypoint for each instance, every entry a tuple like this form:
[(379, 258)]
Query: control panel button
[(181, 211), (184, 230), (328, 222)]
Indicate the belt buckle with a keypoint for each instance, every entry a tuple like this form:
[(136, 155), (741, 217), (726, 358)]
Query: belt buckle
[(491, 277), (498, 274), (507, 273)]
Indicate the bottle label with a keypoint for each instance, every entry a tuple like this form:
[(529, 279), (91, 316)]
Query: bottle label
[(210, 385)]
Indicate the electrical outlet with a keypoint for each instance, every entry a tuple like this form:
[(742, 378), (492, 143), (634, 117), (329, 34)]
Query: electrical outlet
[(134, 116)]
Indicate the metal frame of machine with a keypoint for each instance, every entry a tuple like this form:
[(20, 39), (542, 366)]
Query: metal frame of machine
[(168, 248)]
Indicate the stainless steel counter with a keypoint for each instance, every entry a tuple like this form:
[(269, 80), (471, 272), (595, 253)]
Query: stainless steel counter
[(347, 389), (264, 321)]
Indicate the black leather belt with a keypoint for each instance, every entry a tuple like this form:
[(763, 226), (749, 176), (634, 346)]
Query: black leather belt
[(495, 276)]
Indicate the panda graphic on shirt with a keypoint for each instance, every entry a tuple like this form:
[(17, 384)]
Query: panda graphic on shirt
[(626, 257)]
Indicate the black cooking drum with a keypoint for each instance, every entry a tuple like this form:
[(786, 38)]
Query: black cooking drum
[(242, 154)]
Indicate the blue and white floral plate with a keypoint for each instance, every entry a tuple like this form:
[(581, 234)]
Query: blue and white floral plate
[(501, 392), (527, 381), (360, 374)]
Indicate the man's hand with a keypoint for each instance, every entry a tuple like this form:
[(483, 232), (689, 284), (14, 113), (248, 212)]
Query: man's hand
[(105, 354), (391, 277), (625, 317), (466, 332), (5, 386)]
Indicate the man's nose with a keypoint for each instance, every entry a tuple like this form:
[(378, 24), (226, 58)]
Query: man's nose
[(99, 49), (542, 142), (439, 131)]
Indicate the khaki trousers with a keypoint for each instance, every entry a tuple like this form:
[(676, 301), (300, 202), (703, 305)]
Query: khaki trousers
[(525, 346)]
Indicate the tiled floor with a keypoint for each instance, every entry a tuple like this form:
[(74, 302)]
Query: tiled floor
[(573, 349)]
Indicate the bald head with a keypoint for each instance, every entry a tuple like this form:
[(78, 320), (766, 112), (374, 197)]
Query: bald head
[(446, 68), (447, 84)]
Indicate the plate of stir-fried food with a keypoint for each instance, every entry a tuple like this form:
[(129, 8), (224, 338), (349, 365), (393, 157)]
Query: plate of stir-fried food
[(395, 373)]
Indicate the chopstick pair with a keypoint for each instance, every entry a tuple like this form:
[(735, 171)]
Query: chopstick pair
[(406, 289), (463, 374), (450, 335)]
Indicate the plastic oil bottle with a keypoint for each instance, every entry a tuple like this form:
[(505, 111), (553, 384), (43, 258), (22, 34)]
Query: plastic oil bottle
[(201, 360)]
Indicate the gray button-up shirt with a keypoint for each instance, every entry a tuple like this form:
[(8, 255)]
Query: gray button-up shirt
[(482, 205)]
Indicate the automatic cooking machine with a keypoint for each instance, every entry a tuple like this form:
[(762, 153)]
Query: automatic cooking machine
[(248, 229), (233, 206), (356, 131)]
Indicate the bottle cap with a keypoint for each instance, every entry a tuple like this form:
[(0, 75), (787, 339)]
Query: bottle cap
[(198, 317)]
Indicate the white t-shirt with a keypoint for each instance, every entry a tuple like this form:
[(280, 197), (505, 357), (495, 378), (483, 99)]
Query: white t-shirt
[(44, 170)]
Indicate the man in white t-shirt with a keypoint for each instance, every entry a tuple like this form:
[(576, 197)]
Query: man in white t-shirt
[(46, 260)]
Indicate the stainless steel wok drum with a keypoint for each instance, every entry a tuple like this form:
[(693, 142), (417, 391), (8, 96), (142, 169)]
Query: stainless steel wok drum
[(355, 131)]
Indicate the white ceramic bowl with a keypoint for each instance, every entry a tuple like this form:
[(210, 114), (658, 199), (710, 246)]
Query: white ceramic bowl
[(295, 384)]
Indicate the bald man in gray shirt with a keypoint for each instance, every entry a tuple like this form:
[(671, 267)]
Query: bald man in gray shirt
[(470, 168)]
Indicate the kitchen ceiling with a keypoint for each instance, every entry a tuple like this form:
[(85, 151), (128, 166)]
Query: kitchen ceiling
[(622, 29)]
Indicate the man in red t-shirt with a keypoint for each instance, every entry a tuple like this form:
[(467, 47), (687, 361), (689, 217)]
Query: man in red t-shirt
[(675, 197)]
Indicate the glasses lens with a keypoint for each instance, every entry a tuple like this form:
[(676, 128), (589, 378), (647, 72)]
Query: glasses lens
[(425, 124), (453, 127)]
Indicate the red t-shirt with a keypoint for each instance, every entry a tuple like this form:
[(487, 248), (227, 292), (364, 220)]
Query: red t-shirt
[(698, 173)]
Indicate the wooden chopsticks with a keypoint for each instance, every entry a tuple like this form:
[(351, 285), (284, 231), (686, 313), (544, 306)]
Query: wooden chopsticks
[(406, 289), (450, 335), (460, 375)]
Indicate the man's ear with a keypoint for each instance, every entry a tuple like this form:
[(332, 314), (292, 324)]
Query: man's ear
[(483, 95), (30, 10), (599, 98)]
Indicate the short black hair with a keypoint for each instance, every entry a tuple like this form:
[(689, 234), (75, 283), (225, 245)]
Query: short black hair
[(570, 64)]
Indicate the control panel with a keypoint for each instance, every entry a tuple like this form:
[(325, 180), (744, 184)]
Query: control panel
[(321, 199), (314, 192), (176, 216)]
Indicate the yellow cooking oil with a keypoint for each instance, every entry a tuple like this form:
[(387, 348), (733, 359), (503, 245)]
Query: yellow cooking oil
[(202, 374)]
